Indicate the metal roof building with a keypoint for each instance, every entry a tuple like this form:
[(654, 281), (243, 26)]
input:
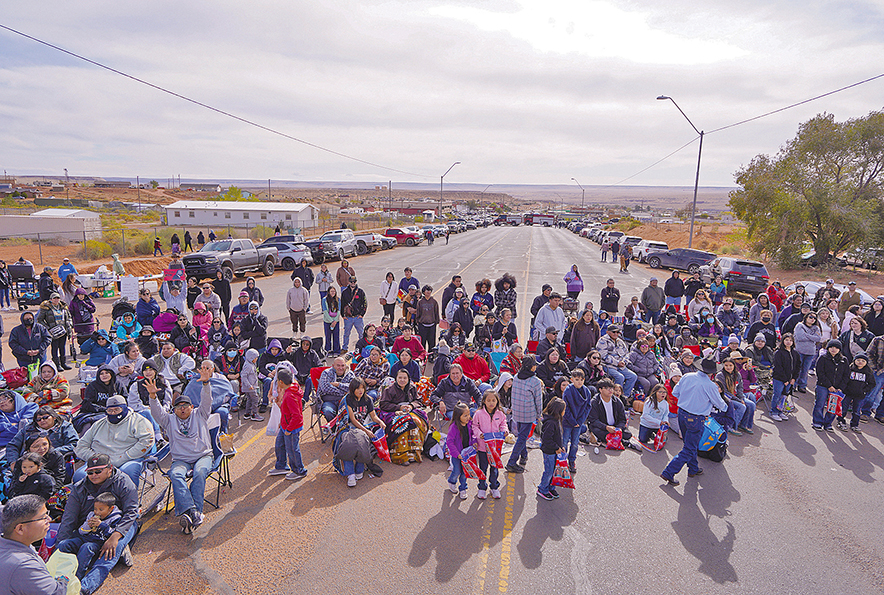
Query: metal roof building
[(241, 214)]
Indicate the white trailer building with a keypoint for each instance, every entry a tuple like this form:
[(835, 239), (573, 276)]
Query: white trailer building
[(72, 225), (241, 214)]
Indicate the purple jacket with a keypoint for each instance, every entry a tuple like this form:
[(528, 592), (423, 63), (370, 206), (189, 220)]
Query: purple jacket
[(454, 440)]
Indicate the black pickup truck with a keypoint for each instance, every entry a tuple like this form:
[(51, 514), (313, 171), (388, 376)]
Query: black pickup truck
[(320, 250)]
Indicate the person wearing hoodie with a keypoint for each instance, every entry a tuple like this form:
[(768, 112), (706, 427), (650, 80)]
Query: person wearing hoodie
[(56, 318), (128, 328), (860, 382), (297, 300), (239, 311), (527, 401), (230, 363), (82, 311), (254, 328), (147, 342), (577, 399), (100, 349), (209, 298), (202, 318), (222, 289), (147, 308), (762, 303), (217, 337), (832, 374), (29, 341), (123, 435), (13, 411), (128, 364), (94, 403), (304, 358), (47, 422), (250, 386), (267, 365), (49, 387), (166, 322), (254, 292), (150, 382)]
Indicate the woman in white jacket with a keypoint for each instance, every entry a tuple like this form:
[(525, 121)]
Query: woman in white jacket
[(389, 291), (323, 281)]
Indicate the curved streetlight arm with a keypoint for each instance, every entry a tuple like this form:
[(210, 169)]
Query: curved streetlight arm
[(450, 168), (578, 183), (665, 97)]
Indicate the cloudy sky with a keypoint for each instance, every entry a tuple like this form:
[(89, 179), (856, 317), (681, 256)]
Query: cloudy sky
[(518, 91)]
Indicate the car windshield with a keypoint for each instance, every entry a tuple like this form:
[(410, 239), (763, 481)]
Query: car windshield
[(222, 246), (332, 238), (748, 264)]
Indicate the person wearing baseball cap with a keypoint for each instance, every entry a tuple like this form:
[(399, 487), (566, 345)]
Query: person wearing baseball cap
[(100, 476), (123, 435), (851, 297), (697, 394), (549, 341), (190, 446), (66, 269)]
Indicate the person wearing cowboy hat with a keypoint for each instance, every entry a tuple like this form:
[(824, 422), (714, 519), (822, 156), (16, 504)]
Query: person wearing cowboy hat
[(697, 394)]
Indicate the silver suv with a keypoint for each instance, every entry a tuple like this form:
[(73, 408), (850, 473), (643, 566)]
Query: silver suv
[(344, 241)]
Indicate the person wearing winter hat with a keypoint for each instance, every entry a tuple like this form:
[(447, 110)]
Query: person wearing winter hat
[(832, 374), (697, 394), (123, 435), (861, 381), (732, 349), (239, 311)]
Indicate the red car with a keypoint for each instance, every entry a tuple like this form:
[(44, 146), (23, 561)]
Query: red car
[(404, 236)]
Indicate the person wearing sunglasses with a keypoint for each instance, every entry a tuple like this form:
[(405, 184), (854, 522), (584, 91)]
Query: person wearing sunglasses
[(26, 520), (46, 422), (101, 476)]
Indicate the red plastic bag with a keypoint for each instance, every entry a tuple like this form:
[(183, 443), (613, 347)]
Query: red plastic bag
[(660, 438), (470, 461), (833, 405), (494, 447), (615, 440), (380, 444), (16, 377), (562, 474)]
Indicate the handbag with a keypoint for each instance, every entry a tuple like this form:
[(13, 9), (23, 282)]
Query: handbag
[(57, 332), (16, 377)]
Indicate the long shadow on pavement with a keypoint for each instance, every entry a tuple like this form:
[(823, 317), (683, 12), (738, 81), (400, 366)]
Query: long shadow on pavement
[(549, 522)]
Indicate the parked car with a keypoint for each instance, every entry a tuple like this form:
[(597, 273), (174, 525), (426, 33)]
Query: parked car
[(232, 257), (289, 254), (321, 251), (632, 241), (740, 275), (812, 286), (684, 259), (866, 259), (645, 247), (404, 236), (344, 241), (388, 242), (368, 242)]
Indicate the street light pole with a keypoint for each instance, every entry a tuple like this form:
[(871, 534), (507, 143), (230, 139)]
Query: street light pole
[(583, 195), (441, 180), (699, 157)]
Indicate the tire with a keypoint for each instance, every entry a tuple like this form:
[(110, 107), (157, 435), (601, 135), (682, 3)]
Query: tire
[(693, 268), (268, 267), (288, 264), (361, 248), (409, 242), (227, 272), (341, 254), (319, 259), (654, 262)]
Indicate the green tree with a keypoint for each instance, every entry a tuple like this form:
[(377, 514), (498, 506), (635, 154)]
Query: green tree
[(824, 186), (154, 184), (233, 194)]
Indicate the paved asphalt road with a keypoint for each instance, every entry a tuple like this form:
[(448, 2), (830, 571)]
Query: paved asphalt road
[(789, 511)]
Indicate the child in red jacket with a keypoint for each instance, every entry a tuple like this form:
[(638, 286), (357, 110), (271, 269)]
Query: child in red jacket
[(288, 437)]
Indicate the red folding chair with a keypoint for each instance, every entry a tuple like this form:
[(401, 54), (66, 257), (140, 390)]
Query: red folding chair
[(315, 401)]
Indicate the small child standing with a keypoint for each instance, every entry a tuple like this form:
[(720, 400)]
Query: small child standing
[(655, 413), (489, 418), (860, 382), (28, 477), (458, 439), (249, 386), (288, 448), (551, 444), (577, 398)]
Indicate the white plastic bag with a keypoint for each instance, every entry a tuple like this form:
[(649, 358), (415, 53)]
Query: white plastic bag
[(61, 564), (275, 418)]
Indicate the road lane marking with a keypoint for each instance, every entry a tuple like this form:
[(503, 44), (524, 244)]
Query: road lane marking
[(161, 513), (525, 308), (486, 544), (460, 272), (506, 542)]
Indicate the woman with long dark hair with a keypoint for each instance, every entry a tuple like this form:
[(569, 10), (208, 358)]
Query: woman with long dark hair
[(331, 321)]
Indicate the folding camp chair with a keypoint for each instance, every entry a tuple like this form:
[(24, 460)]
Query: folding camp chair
[(316, 402), (532, 347), (220, 473), (497, 358)]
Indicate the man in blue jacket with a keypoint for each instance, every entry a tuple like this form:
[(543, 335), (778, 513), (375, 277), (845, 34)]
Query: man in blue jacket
[(13, 410), (29, 340)]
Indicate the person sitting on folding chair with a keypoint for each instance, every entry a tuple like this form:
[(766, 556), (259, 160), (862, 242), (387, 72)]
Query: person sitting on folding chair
[(190, 446), (334, 385)]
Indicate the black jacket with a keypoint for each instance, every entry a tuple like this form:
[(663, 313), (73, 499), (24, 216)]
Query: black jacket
[(254, 328), (79, 503), (354, 300), (786, 365), (598, 419), (304, 361), (859, 382), (22, 340), (222, 288), (692, 286), (97, 393), (539, 302), (832, 372), (305, 274), (610, 296), (673, 287), (550, 435)]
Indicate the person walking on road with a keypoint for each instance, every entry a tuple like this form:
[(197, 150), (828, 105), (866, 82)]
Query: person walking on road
[(653, 299), (188, 241), (606, 246), (697, 394)]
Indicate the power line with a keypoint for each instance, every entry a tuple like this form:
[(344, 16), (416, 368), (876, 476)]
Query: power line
[(690, 142), (209, 107)]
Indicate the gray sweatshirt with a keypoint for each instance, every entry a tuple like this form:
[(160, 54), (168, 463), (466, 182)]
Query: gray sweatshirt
[(23, 572), (196, 443)]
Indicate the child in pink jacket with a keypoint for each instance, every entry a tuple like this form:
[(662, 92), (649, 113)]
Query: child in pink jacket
[(488, 418)]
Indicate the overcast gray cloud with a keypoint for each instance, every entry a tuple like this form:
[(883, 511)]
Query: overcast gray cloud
[(521, 91)]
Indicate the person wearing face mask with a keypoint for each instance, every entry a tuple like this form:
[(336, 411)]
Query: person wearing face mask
[(765, 326), (230, 362), (254, 328), (123, 435), (29, 341)]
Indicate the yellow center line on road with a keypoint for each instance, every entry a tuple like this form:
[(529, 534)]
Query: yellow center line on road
[(525, 308), (486, 544), (160, 513), (506, 542)]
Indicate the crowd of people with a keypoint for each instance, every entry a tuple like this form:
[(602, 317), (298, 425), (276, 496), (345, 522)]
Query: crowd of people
[(669, 357)]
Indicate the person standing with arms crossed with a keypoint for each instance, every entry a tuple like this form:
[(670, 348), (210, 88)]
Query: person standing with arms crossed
[(697, 394)]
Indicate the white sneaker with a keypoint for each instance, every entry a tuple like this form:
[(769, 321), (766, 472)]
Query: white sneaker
[(351, 481), (481, 495), (276, 471), (463, 495), (495, 494), (359, 476), (452, 487), (198, 519), (776, 417)]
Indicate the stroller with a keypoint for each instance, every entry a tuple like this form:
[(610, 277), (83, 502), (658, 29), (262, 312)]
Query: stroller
[(570, 306)]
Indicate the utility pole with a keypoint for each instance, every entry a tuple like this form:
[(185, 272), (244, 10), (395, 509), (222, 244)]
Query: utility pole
[(268, 189), (138, 189)]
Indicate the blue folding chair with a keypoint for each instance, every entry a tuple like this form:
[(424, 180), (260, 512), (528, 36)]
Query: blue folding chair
[(497, 359)]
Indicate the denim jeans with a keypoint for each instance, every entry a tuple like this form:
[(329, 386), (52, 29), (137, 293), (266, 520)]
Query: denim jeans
[(622, 376), (748, 420), (820, 416), (489, 470), (457, 475), (329, 410), (645, 433), (91, 580), (673, 301), (352, 467), (692, 430), (288, 451), (520, 448), (156, 427), (776, 402), (806, 362), (736, 409), (572, 436), (872, 402), (132, 468), (549, 465), (652, 316), (193, 496), (332, 337), (4, 296), (353, 322), (266, 384)]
